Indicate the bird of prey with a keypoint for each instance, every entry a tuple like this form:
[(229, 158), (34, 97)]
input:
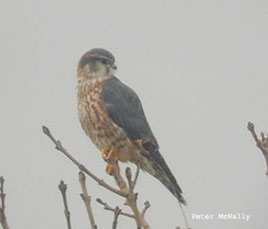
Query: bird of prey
[(112, 116)]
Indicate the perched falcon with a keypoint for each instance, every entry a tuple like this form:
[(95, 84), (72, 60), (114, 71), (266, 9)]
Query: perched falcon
[(112, 116)]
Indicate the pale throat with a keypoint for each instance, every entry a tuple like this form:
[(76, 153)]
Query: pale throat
[(91, 74)]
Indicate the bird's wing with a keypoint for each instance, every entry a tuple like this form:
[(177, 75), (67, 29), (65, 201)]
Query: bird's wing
[(125, 109)]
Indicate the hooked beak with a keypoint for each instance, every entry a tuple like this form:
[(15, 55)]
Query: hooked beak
[(114, 67)]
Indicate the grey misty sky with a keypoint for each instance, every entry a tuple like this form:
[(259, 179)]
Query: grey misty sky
[(200, 69)]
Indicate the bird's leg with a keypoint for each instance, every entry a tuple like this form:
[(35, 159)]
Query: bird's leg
[(111, 157)]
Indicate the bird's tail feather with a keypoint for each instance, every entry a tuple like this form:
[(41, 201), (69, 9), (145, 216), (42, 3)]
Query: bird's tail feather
[(157, 166), (167, 179)]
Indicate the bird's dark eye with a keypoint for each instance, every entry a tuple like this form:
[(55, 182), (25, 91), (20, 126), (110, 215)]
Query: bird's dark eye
[(104, 61)]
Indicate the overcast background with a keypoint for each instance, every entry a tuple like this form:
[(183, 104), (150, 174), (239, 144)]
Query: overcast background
[(200, 69)]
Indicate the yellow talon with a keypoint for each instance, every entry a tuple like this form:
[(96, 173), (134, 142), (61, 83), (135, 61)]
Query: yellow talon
[(110, 169), (105, 152), (109, 155)]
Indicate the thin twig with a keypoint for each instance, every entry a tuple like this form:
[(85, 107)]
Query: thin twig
[(124, 191), (261, 144), (3, 219), (184, 215), (116, 215), (131, 196), (2, 194), (63, 188), (81, 166), (119, 179), (109, 208), (87, 199), (129, 178), (132, 202), (136, 178), (146, 206)]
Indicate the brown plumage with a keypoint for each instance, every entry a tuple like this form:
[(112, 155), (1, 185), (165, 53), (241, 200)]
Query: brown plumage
[(112, 116)]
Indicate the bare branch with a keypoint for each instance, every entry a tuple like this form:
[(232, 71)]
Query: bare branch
[(261, 144), (119, 179), (132, 202), (184, 215), (129, 177), (3, 195), (3, 219), (136, 178), (81, 166), (116, 215), (109, 208), (87, 199), (63, 188), (146, 206), (125, 191), (131, 198)]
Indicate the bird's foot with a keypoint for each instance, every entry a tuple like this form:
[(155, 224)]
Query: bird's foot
[(109, 155), (110, 168)]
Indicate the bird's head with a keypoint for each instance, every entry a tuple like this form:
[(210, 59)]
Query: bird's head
[(96, 63)]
